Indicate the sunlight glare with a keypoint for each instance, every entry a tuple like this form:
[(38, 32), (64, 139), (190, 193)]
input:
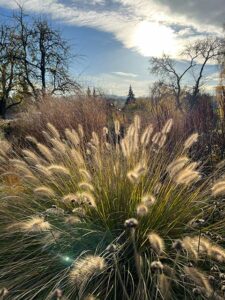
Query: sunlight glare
[(153, 39)]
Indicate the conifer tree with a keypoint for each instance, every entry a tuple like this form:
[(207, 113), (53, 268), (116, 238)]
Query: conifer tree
[(131, 96)]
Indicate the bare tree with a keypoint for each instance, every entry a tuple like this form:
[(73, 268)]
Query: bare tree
[(34, 59), (44, 56), (24, 36), (221, 60), (196, 56), (165, 67), (10, 73), (50, 55), (205, 50)]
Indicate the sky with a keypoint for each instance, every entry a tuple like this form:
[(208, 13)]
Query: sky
[(114, 39)]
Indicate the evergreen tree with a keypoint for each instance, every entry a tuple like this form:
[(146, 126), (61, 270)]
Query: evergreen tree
[(131, 96)]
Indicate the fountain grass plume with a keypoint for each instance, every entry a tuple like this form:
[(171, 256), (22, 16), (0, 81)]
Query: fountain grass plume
[(133, 194)]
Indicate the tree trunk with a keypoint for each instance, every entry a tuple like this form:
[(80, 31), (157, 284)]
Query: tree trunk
[(43, 63), (3, 108)]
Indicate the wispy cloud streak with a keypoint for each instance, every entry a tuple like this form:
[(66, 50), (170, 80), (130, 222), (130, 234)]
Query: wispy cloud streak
[(146, 26)]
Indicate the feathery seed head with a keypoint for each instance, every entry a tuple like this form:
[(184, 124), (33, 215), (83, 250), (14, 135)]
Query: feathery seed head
[(31, 139), (156, 266), (86, 175), (218, 188), (105, 131), (126, 148), (57, 211), (53, 131), (72, 136), (45, 151), (217, 253), (86, 186), (190, 247), (191, 140), (71, 198), (35, 224), (31, 179), (130, 131), (142, 210), (162, 140), (164, 286), (4, 147), (15, 161), (145, 138), (81, 131), (79, 212), (72, 220), (133, 177), (187, 176), (178, 164), (157, 188), (59, 169), (85, 268), (23, 168), (135, 174), (86, 198), (167, 127), (46, 135), (95, 139), (156, 243), (31, 156), (200, 280), (108, 146), (77, 157), (196, 247), (148, 200), (131, 223), (137, 122), (43, 170), (117, 127), (156, 137), (59, 146), (44, 191)]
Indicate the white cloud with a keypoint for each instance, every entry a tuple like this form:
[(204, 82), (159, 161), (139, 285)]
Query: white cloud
[(147, 26), (144, 25), (124, 74)]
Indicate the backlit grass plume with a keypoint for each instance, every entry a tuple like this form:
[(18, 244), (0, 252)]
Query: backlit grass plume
[(118, 217)]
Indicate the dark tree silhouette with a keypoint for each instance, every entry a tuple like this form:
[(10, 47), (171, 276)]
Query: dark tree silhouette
[(10, 71), (34, 59), (131, 96), (196, 56)]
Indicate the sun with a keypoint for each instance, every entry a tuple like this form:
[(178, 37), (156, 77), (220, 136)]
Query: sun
[(153, 39)]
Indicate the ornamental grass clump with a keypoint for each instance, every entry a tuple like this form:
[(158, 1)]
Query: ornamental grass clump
[(116, 217)]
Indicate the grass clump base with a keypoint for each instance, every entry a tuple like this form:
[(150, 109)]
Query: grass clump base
[(115, 217)]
